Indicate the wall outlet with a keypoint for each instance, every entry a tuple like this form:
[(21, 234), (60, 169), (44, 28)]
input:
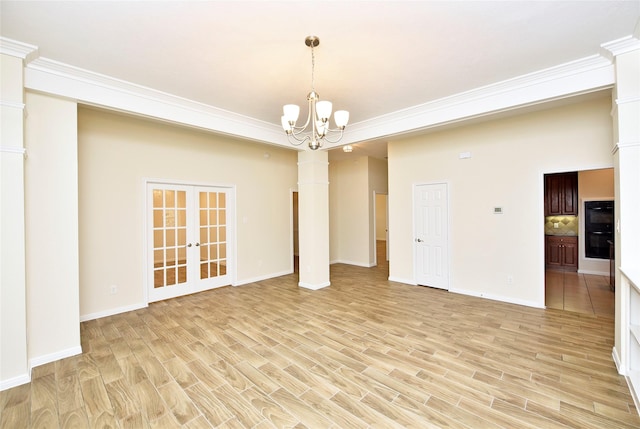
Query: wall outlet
[(556, 225), (113, 289)]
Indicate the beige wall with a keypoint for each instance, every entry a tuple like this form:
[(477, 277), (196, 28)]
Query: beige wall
[(352, 208), (51, 221), (381, 217), (508, 159), (593, 185), (117, 153), (348, 211)]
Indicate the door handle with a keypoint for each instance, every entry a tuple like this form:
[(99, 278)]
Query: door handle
[(189, 245), (197, 244), (419, 240)]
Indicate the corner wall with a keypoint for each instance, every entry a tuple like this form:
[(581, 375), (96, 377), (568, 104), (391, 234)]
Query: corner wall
[(51, 221), (117, 152), (509, 157), (352, 209)]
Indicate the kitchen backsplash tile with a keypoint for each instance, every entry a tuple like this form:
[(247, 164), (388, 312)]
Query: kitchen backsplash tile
[(566, 225)]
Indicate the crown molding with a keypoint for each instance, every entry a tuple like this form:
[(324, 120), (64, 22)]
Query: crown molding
[(18, 49), (571, 79), (87, 87), (567, 80), (621, 46)]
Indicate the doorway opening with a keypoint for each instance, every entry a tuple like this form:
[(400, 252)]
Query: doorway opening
[(381, 230), (294, 233), (574, 281)]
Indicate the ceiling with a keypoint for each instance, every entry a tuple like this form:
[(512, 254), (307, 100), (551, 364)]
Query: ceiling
[(374, 58)]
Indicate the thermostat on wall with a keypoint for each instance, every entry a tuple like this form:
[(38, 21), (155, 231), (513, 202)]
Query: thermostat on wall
[(497, 210)]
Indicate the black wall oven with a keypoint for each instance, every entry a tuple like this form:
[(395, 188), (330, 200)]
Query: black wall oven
[(598, 228)]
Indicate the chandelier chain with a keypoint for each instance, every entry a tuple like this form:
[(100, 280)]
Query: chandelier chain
[(313, 68)]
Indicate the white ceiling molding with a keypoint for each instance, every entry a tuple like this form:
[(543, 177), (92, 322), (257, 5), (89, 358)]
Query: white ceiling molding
[(572, 79), (567, 80), (621, 46), (18, 49), (94, 89)]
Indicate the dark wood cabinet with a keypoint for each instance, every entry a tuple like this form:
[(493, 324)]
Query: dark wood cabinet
[(561, 194), (561, 252)]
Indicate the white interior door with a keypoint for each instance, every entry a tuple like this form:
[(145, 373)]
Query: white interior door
[(188, 239), (431, 235)]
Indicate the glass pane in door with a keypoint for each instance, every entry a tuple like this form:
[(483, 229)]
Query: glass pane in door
[(212, 223), (169, 237)]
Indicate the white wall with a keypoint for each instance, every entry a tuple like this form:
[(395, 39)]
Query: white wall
[(51, 222), (509, 158), (13, 304), (116, 154), (593, 185)]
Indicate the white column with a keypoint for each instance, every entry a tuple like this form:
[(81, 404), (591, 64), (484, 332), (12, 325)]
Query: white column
[(14, 368), (313, 219), (626, 153)]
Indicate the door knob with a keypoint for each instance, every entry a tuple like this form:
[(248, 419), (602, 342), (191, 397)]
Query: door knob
[(189, 245), (419, 240), (197, 244)]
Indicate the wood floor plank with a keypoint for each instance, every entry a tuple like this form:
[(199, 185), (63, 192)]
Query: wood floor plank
[(214, 410), (269, 409), (178, 402), (96, 399), (123, 398), (300, 409)]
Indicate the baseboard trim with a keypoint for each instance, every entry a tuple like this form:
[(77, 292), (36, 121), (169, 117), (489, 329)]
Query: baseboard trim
[(14, 382), (498, 298), (112, 312), (357, 264), (401, 280), (52, 357), (616, 360), (595, 273), (260, 278), (314, 287)]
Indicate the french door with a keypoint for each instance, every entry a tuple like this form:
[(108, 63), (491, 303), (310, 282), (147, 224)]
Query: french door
[(188, 233)]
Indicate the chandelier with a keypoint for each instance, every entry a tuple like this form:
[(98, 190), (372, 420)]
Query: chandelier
[(318, 116)]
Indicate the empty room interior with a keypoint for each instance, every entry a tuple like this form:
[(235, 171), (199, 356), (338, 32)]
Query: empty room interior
[(320, 214)]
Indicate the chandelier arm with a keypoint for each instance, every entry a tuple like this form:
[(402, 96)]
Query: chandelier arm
[(302, 127), (294, 140), (327, 139)]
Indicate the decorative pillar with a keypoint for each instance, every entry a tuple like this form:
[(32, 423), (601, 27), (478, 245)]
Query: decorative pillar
[(14, 367), (626, 155), (313, 218)]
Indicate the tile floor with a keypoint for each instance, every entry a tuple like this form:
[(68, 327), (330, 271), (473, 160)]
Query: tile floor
[(580, 293)]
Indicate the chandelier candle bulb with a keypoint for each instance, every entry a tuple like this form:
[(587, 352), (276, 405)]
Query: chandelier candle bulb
[(323, 108), (341, 117), (291, 112)]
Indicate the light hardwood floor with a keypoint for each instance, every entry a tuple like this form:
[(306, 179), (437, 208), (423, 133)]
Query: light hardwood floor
[(364, 352)]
